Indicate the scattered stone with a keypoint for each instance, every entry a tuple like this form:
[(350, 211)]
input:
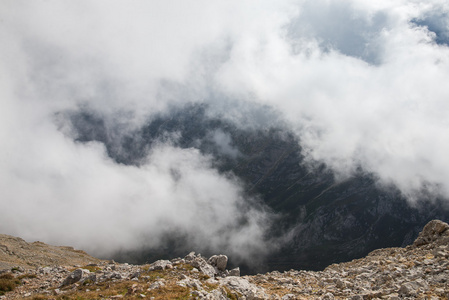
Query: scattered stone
[(156, 285), (73, 277), (420, 271), (328, 296)]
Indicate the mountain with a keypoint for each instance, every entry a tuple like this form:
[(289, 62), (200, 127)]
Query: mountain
[(320, 219), (418, 271), (17, 253)]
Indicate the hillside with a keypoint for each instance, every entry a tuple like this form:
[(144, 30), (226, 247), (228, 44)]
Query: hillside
[(418, 271), (16, 252)]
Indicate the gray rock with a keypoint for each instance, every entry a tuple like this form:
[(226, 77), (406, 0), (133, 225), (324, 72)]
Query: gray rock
[(45, 270), (116, 276), (201, 264), (156, 285), (234, 272), (244, 287), (407, 289), (431, 232), (160, 265), (328, 296), (189, 282), (218, 261), (135, 275), (190, 256), (73, 277), (91, 278)]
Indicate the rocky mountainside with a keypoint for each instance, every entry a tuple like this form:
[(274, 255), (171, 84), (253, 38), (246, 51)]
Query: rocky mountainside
[(326, 220), (418, 271), (15, 252)]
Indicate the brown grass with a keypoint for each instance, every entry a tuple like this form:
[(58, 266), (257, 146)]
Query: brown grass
[(172, 291), (8, 283), (231, 295), (27, 276)]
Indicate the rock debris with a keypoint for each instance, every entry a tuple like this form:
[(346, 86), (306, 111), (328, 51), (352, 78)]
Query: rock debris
[(418, 271)]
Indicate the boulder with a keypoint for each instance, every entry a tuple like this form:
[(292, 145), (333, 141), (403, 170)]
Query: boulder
[(190, 256), (234, 272), (73, 277), (218, 261), (431, 232), (160, 265), (244, 287), (202, 265)]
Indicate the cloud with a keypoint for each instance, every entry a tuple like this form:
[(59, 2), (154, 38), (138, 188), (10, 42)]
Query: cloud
[(66, 192), (224, 143), (349, 109), (360, 84), (59, 57)]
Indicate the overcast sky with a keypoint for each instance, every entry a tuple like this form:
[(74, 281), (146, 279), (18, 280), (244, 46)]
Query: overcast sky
[(361, 84)]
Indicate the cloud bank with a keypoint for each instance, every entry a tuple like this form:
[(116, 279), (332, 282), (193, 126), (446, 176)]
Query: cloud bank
[(360, 84)]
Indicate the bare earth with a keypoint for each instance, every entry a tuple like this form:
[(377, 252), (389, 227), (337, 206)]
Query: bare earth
[(16, 252)]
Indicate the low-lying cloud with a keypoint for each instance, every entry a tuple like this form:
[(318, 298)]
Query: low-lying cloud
[(361, 85)]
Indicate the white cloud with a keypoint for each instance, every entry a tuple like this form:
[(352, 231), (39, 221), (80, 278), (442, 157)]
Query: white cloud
[(387, 117), (359, 83)]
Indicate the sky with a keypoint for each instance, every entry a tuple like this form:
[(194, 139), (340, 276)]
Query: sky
[(362, 84)]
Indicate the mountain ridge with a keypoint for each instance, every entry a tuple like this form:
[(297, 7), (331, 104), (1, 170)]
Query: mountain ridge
[(418, 271)]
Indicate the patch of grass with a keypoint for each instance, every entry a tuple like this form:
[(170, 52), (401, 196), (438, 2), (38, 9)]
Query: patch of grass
[(187, 267), (170, 292), (7, 276), (87, 282), (211, 286), (155, 275), (231, 295), (8, 283), (23, 276), (91, 269), (203, 276), (105, 290)]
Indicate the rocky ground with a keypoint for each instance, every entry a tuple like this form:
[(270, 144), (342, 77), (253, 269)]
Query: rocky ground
[(418, 271), (15, 252)]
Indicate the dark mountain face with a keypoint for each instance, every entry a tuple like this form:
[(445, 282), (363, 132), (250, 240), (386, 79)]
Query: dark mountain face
[(321, 220)]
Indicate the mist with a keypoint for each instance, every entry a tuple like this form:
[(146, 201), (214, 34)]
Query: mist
[(360, 85)]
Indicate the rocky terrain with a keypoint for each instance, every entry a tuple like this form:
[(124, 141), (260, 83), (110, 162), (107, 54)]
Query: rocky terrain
[(15, 252), (39, 271)]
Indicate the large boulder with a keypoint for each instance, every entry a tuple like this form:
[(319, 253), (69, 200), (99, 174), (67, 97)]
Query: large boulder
[(73, 277), (218, 261), (244, 287), (435, 230), (160, 265), (202, 265)]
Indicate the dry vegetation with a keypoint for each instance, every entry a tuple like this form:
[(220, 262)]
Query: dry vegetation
[(134, 289)]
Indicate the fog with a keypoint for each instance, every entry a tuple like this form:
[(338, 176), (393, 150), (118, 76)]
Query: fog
[(361, 85)]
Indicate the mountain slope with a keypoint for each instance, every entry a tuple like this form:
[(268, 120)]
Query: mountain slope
[(321, 220), (418, 271), (16, 252)]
